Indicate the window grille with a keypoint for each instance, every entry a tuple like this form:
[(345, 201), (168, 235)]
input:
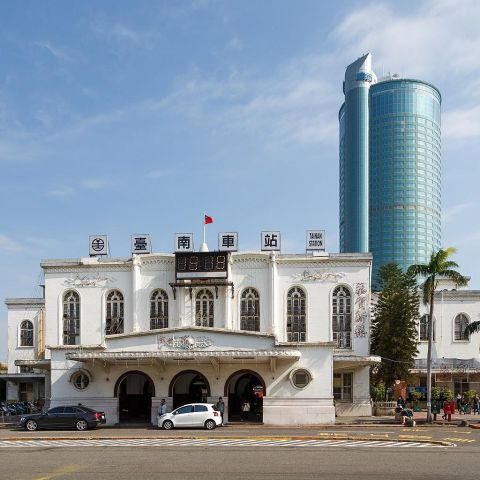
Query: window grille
[(343, 387), (423, 329), (461, 322), (250, 310), (342, 317), (204, 309), (296, 315), (115, 313), (26, 334), (71, 318), (158, 310)]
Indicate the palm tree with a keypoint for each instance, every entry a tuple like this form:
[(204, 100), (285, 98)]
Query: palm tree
[(473, 327), (438, 267)]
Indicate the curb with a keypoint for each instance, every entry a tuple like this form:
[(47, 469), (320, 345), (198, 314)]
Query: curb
[(338, 437)]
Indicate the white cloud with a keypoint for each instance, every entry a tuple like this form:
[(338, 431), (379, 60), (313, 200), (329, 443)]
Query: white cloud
[(8, 245), (61, 192), (454, 211), (96, 183), (462, 123), (60, 53)]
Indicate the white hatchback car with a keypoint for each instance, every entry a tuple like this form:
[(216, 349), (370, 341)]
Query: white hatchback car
[(192, 415)]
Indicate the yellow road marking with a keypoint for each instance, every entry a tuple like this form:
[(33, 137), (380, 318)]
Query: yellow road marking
[(418, 437), (469, 440), (61, 471)]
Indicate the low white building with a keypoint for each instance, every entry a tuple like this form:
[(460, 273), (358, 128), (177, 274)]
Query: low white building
[(455, 356), (289, 333)]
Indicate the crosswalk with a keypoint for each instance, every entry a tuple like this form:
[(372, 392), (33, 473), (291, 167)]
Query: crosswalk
[(226, 442)]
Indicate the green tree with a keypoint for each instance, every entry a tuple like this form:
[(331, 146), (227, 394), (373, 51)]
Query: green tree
[(439, 267), (394, 332), (473, 327)]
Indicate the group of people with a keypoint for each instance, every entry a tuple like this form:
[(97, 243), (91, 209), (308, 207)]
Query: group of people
[(463, 406)]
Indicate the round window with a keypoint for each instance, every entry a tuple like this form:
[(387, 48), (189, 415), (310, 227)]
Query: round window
[(81, 381), (301, 378)]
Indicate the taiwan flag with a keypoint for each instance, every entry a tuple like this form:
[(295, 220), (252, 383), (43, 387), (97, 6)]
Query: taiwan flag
[(208, 220)]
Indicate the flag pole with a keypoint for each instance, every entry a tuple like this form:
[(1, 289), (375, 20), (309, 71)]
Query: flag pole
[(204, 226)]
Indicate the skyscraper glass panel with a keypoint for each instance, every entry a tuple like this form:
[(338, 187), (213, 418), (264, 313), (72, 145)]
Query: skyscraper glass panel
[(404, 172)]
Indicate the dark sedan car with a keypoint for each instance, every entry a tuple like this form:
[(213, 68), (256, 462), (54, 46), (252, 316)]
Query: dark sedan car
[(78, 416)]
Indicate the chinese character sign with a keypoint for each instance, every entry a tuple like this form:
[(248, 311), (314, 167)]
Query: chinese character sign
[(315, 240), (141, 244), (270, 241), (184, 242), (228, 242), (98, 245)]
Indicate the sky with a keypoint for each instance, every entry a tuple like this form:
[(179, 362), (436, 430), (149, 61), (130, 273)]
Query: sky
[(121, 117)]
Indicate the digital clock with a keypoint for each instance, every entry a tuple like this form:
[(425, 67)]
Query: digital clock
[(200, 265)]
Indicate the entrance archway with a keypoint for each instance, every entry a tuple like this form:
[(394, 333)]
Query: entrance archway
[(245, 385), (188, 386), (134, 391)]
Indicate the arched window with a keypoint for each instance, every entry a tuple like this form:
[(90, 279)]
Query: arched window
[(250, 310), (26, 334), (71, 318), (296, 315), (159, 310), (204, 308), (461, 322), (342, 317), (423, 329), (114, 320)]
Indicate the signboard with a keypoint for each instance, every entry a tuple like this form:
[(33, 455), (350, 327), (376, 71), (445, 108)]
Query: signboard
[(184, 242), (315, 240), (228, 241), (364, 77), (141, 244), (97, 245), (200, 265), (271, 241)]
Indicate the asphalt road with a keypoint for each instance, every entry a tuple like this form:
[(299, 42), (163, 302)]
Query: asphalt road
[(239, 463)]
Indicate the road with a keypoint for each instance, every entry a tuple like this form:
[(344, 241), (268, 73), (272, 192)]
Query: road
[(243, 453)]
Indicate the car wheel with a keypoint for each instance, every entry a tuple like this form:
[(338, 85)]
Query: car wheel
[(31, 425), (210, 424), (167, 425), (81, 425)]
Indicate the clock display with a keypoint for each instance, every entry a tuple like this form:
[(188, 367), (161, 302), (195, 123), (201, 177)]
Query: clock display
[(201, 265)]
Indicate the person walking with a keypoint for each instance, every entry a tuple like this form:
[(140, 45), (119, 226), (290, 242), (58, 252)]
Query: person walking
[(459, 399), (162, 409), (220, 407), (245, 410), (476, 404)]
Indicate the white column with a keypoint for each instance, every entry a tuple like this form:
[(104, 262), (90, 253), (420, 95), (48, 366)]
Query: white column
[(135, 285), (273, 295)]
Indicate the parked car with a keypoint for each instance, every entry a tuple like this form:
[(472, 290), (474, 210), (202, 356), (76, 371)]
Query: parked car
[(192, 415), (78, 416)]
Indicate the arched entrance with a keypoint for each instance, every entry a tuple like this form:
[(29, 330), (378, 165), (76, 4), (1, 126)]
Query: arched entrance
[(245, 385), (188, 386), (134, 391)]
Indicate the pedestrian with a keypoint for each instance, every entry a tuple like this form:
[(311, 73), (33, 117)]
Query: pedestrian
[(162, 409), (476, 404), (245, 410), (401, 402), (463, 404), (459, 399), (220, 407)]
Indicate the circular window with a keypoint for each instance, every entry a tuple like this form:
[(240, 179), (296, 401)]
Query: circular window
[(81, 381), (301, 378)]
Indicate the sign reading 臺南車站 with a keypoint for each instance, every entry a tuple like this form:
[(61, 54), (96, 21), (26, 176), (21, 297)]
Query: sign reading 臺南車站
[(141, 244), (228, 241), (271, 241), (184, 242)]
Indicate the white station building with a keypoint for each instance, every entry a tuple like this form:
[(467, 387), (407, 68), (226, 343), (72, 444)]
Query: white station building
[(288, 333)]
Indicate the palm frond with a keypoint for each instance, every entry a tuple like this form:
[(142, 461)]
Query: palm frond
[(473, 327), (455, 276)]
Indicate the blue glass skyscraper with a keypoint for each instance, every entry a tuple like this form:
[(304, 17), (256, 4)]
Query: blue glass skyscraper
[(404, 172), (353, 118)]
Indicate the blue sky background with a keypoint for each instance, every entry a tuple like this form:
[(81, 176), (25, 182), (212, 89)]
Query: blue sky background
[(124, 117)]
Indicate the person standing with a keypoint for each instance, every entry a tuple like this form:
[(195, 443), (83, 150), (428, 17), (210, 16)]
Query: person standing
[(476, 404), (220, 407), (162, 409), (245, 410), (459, 399)]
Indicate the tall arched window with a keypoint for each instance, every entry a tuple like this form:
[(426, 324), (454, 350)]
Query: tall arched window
[(461, 322), (342, 317), (204, 308), (114, 320), (423, 329), (296, 315), (159, 309), (26, 334), (71, 318), (250, 310)]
